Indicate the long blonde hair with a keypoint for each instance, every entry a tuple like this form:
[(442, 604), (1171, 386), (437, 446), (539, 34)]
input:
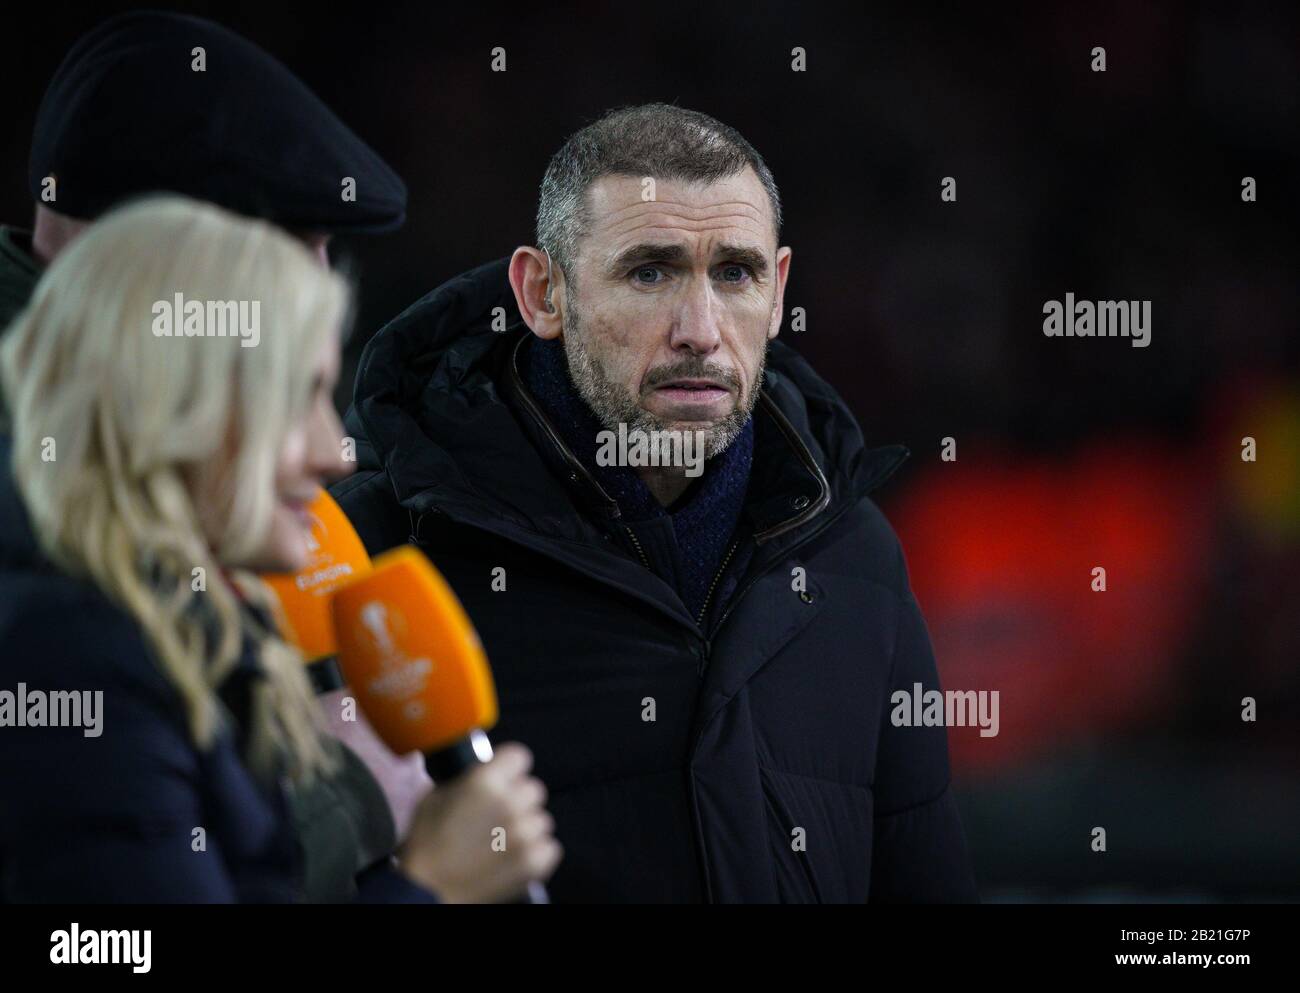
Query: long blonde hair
[(111, 423)]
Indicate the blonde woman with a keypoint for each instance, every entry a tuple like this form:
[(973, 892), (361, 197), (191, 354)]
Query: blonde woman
[(170, 383)]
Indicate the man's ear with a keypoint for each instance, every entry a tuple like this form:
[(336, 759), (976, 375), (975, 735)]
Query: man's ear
[(530, 282), (783, 256)]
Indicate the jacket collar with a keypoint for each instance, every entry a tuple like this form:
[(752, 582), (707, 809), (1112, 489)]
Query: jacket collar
[(803, 494), (593, 495)]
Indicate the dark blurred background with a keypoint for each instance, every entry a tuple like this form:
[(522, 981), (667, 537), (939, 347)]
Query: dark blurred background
[(1119, 709)]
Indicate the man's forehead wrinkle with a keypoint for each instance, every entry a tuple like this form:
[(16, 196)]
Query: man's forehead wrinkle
[(674, 207), (651, 222), (637, 203)]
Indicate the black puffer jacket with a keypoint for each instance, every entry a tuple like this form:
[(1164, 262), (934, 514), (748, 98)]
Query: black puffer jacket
[(771, 772)]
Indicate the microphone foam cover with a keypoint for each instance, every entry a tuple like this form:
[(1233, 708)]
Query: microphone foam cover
[(411, 656)]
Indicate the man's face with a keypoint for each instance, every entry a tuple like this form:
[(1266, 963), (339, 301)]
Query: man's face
[(671, 303)]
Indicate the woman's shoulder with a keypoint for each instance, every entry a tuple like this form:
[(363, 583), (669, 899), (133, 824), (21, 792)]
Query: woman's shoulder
[(59, 630), (55, 626), (115, 793)]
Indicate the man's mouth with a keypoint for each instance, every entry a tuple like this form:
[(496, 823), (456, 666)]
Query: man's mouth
[(693, 391)]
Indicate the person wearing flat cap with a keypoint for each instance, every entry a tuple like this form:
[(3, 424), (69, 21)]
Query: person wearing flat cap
[(154, 102), (150, 102)]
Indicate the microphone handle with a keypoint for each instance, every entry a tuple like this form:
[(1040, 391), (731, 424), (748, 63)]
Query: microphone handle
[(325, 675), (448, 763)]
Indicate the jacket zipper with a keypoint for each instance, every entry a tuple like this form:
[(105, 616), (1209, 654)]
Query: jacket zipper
[(708, 597), (641, 552), (726, 559), (713, 585), (707, 644)]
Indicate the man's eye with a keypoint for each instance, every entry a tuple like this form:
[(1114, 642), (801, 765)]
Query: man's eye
[(735, 273), (647, 274)]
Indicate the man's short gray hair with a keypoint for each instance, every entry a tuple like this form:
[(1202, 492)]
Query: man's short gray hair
[(654, 139)]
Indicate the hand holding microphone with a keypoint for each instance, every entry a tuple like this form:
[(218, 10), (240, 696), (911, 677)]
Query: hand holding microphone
[(416, 665), (450, 848)]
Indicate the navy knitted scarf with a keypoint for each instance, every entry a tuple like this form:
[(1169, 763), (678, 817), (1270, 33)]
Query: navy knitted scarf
[(703, 519)]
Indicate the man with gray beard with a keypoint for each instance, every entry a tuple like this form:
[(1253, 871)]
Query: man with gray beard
[(702, 666)]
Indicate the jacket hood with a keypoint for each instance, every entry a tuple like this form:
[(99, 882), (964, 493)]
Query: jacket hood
[(430, 407)]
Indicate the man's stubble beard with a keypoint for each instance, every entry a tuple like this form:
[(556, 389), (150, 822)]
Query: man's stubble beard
[(613, 404)]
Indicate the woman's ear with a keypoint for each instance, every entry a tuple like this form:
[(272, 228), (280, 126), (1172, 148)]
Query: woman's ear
[(536, 285)]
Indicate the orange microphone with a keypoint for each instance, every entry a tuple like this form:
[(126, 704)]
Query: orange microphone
[(415, 664), (335, 556)]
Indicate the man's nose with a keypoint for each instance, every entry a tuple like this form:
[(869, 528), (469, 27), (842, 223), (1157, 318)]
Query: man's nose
[(698, 328)]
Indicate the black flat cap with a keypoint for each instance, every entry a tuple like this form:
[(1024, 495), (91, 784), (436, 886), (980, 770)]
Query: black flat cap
[(126, 114)]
